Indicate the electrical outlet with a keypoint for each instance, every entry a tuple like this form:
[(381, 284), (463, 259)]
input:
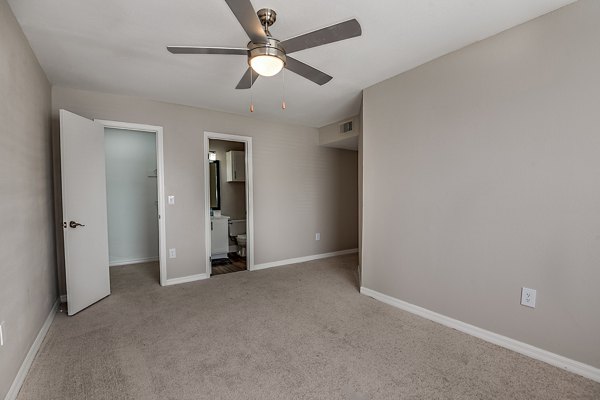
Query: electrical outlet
[(171, 200), (2, 332), (172, 253), (317, 236), (528, 297)]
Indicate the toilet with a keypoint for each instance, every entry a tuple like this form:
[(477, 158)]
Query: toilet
[(237, 232), (241, 242)]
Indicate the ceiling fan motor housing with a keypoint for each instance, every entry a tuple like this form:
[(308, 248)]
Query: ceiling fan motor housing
[(266, 16), (272, 48)]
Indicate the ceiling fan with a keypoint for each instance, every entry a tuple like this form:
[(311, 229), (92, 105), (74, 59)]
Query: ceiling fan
[(267, 55)]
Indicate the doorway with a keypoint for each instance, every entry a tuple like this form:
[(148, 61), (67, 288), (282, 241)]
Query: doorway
[(135, 210), (229, 214)]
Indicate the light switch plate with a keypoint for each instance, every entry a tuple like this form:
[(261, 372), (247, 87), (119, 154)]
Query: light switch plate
[(172, 253), (317, 236), (528, 297), (171, 200)]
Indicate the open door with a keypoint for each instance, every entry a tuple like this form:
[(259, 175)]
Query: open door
[(85, 223)]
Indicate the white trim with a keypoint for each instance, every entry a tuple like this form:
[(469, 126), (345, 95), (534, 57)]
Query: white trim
[(192, 278), (185, 279), (133, 261), (303, 259), (556, 360), (247, 140), (35, 347), (162, 212), (160, 183)]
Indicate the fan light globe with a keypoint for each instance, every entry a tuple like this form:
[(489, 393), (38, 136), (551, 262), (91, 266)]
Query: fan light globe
[(266, 65)]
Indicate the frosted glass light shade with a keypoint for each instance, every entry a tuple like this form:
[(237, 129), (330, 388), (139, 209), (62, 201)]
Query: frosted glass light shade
[(266, 65)]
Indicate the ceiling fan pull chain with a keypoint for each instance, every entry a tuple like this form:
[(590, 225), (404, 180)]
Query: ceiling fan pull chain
[(251, 97), (283, 98)]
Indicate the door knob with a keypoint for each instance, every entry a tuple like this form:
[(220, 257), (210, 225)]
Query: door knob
[(74, 224)]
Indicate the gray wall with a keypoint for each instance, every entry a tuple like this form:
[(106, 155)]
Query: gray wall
[(27, 269), (330, 135), (482, 175), (299, 187), (131, 194), (233, 194)]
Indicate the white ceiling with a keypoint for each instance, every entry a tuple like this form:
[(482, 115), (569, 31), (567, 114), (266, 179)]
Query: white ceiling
[(118, 46)]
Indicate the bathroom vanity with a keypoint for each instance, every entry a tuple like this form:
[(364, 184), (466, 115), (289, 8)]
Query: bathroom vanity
[(219, 237)]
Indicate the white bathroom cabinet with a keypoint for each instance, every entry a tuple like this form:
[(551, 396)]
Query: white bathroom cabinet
[(219, 237), (236, 166)]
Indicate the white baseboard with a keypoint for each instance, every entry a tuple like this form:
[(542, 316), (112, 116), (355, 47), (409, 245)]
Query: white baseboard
[(556, 360), (199, 277), (20, 378), (302, 259), (132, 261), (185, 279)]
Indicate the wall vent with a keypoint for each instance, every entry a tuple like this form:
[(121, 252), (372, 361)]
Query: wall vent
[(346, 127)]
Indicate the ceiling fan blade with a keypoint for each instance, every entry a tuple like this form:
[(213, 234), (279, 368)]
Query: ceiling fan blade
[(245, 82), (306, 71), (207, 50), (245, 14), (333, 33)]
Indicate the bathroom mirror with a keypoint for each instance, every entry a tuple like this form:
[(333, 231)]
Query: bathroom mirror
[(214, 174)]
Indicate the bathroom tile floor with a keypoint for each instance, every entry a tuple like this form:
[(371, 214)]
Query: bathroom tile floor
[(234, 263)]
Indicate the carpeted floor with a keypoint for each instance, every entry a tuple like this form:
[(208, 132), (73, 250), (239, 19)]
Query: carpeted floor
[(295, 332)]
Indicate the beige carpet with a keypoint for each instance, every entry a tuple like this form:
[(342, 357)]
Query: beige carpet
[(296, 332)]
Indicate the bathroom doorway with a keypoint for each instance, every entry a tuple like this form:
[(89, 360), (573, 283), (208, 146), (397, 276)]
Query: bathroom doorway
[(228, 187)]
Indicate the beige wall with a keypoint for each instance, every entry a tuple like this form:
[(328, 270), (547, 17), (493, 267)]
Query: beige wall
[(482, 175), (27, 269), (233, 194), (299, 187), (330, 135)]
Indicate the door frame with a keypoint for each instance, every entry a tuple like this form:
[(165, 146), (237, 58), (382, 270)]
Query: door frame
[(247, 140), (160, 172)]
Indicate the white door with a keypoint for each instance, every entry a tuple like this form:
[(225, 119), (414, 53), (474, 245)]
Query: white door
[(84, 210)]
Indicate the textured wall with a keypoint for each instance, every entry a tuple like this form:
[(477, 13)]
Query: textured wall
[(482, 175), (331, 135), (27, 269), (299, 187)]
